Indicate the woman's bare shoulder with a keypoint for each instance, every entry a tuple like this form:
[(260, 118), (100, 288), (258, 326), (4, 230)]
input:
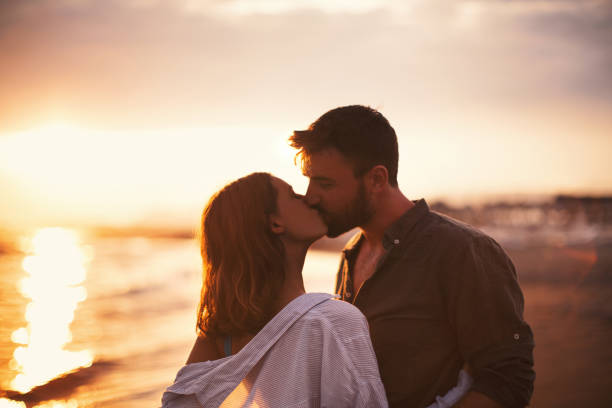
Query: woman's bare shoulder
[(204, 349)]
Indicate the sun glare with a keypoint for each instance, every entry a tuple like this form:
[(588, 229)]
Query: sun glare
[(7, 403), (56, 270), (58, 404)]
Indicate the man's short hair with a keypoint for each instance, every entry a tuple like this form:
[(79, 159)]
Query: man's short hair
[(362, 134)]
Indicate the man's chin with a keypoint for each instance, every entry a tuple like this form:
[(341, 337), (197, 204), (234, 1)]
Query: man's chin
[(335, 229), (335, 233)]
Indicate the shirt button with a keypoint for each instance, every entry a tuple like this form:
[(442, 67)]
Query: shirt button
[(396, 241), (516, 336)]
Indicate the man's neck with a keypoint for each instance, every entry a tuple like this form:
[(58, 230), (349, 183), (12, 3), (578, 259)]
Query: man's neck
[(390, 207)]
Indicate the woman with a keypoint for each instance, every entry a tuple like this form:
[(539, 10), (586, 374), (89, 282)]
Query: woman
[(261, 340)]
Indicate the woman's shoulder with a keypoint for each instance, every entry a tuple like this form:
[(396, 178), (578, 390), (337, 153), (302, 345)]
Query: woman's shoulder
[(338, 314), (204, 349)]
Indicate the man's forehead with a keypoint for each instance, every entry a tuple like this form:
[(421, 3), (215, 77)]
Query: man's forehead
[(327, 163)]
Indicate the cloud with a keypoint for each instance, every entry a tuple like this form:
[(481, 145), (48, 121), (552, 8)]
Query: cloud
[(162, 63), (520, 89)]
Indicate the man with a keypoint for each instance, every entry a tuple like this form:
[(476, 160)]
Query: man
[(437, 293)]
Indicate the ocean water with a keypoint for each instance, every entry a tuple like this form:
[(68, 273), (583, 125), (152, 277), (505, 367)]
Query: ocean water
[(104, 322), (107, 322)]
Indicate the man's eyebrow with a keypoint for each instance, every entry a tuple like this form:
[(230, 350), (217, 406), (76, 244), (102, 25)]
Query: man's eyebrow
[(321, 178), (308, 173)]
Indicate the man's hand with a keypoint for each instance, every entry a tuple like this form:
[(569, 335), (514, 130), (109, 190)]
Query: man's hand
[(476, 400)]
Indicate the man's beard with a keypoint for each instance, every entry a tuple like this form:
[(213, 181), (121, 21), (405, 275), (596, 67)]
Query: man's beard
[(357, 213)]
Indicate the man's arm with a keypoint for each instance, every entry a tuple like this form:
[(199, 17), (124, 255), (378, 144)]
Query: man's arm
[(485, 306), (475, 399)]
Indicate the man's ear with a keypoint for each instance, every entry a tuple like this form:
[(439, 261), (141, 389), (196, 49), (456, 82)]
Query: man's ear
[(276, 225), (378, 177)]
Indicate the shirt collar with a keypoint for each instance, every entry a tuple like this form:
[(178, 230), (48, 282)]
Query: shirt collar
[(399, 230), (396, 232)]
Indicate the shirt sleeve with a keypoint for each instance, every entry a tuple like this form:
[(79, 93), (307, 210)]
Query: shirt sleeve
[(485, 307)]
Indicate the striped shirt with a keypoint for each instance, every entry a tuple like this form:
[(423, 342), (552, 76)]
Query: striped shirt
[(316, 352)]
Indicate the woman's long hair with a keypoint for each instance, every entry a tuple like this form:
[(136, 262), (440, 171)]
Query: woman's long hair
[(243, 260)]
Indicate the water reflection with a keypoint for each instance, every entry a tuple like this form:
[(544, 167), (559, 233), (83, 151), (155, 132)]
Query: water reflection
[(7, 403), (56, 270), (58, 404)]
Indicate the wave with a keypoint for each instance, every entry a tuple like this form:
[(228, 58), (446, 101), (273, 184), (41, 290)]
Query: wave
[(182, 276)]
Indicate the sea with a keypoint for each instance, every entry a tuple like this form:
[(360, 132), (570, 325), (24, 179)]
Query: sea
[(104, 322), (99, 321)]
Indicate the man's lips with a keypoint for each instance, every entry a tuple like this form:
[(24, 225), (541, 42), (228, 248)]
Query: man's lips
[(321, 212), (324, 216)]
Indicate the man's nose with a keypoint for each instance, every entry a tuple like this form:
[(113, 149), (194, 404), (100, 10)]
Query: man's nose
[(311, 198)]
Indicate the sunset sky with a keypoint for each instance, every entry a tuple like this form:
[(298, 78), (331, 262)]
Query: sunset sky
[(123, 112)]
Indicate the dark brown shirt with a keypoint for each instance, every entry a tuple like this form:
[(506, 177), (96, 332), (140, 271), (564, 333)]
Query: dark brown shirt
[(443, 294)]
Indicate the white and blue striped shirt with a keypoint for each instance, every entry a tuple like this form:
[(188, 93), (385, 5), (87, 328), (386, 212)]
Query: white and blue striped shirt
[(316, 352)]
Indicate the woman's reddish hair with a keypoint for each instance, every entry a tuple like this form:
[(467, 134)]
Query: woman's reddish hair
[(243, 260)]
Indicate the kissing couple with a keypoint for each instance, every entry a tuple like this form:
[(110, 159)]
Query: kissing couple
[(428, 311)]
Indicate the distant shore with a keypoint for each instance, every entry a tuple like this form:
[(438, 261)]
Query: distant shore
[(563, 239)]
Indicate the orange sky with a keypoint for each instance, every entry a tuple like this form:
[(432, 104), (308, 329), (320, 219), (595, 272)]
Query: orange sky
[(136, 111)]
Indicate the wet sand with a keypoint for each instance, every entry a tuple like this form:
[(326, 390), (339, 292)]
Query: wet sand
[(568, 303), (572, 326)]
